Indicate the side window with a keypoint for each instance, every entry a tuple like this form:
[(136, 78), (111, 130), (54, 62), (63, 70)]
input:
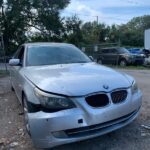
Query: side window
[(15, 56), (113, 51), (105, 51), (20, 54)]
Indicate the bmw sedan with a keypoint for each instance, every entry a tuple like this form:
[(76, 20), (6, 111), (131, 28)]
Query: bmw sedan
[(66, 97)]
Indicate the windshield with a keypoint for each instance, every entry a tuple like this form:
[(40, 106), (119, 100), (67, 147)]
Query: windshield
[(123, 50), (136, 51), (50, 55)]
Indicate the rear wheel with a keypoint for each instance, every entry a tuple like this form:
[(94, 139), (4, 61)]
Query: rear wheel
[(123, 63)]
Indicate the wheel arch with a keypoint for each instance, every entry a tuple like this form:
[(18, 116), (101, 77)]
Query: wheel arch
[(22, 96)]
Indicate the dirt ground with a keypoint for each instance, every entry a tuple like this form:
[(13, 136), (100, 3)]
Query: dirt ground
[(131, 137)]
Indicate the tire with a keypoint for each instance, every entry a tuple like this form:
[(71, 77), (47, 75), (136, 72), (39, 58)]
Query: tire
[(123, 63), (12, 89), (99, 61), (25, 111)]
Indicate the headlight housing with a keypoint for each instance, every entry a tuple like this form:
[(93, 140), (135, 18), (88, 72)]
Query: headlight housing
[(53, 102), (134, 88)]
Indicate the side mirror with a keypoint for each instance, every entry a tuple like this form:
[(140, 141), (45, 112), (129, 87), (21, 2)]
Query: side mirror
[(91, 57), (14, 62)]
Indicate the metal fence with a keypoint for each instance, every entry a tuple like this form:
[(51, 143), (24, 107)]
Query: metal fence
[(96, 52), (113, 54)]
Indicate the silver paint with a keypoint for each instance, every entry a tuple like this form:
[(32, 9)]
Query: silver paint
[(76, 81)]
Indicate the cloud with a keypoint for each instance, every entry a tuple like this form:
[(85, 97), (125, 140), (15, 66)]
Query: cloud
[(82, 10), (108, 11)]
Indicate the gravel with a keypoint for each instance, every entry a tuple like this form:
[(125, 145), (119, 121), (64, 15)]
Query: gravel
[(135, 136)]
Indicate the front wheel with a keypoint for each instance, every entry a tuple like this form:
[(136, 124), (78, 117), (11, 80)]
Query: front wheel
[(12, 89), (123, 63)]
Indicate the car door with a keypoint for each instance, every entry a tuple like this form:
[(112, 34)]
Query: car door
[(105, 56), (12, 70), (114, 56), (16, 72)]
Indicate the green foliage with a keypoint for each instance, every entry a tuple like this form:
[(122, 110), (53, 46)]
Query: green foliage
[(95, 33), (47, 17), (39, 20), (22, 19), (73, 33), (132, 33)]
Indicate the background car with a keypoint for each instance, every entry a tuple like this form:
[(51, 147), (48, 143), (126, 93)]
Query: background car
[(137, 51), (147, 62), (146, 52), (119, 56), (66, 97)]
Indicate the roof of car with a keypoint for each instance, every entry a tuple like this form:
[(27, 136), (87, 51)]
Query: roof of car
[(46, 44)]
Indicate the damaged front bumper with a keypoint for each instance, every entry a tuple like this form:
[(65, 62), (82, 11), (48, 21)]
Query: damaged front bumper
[(84, 122)]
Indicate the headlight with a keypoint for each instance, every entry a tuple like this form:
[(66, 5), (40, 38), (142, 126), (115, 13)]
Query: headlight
[(134, 88), (142, 55), (51, 101)]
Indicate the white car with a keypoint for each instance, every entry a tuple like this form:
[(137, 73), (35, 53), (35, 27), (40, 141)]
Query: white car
[(147, 62), (66, 97)]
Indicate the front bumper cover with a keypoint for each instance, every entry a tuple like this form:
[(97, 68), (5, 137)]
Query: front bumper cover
[(53, 129)]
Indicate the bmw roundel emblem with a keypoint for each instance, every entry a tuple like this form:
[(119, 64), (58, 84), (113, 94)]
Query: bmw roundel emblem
[(106, 87)]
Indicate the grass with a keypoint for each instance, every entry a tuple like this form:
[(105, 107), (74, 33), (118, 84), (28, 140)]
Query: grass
[(3, 73)]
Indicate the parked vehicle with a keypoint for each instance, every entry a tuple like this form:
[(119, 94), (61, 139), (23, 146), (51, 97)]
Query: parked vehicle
[(146, 52), (137, 51), (66, 97), (147, 62), (120, 56), (147, 39)]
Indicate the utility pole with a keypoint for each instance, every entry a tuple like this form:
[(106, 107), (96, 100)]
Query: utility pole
[(97, 19)]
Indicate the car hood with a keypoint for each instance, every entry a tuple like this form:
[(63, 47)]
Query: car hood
[(76, 79)]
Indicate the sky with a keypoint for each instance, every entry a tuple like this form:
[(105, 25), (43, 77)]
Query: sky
[(108, 11)]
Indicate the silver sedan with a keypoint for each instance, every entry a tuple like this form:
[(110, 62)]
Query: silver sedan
[(67, 97)]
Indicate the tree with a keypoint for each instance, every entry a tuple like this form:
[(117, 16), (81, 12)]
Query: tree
[(13, 23), (21, 16), (46, 18), (132, 33), (114, 34), (73, 33), (95, 33)]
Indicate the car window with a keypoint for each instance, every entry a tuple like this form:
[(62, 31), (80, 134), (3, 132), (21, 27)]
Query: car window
[(20, 54), (49, 55), (123, 50), (105, 51), (15, 56), (112, 51)]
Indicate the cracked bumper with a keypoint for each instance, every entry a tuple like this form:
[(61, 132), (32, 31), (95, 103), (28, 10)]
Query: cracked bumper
[(53, 129)]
